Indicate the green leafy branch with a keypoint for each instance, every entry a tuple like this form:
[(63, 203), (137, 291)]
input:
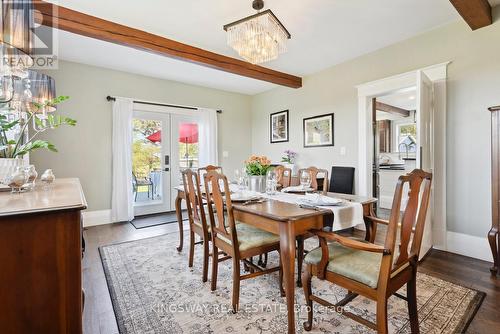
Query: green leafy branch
[(18, 147)]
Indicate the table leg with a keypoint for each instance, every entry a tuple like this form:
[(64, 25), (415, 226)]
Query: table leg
[(287, 253), (178, 211)]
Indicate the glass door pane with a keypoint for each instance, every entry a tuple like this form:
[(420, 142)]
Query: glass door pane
[(185, 146), (149, 148)]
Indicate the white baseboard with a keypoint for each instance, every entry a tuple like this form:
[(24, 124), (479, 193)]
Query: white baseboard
[(99, 217), (468, 245)]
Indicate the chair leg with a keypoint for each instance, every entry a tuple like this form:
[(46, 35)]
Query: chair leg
[(411, 288), (206, 255), (263, 260), (191, 248), (215, 267), (300, 259), (306, 278), (382, 316), (236, 284)]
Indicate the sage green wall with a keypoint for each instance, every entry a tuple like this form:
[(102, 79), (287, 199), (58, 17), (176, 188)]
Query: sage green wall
[(473, 85), (85, 151)]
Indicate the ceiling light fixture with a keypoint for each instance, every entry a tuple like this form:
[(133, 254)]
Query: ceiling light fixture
[(258, 38)]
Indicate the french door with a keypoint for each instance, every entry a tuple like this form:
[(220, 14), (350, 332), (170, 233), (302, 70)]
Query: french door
[(150, 162), (165, 142)]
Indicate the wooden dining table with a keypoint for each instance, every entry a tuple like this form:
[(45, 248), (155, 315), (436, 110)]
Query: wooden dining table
[(288, 221)]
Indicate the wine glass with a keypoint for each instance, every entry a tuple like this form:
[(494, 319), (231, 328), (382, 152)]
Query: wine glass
[(237, 177), (305, 179), (271, 182)]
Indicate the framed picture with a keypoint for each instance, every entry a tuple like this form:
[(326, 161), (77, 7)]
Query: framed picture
[(279, 127), (318, 131)]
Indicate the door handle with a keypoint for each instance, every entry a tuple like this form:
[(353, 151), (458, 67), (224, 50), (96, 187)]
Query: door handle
[(166, 169)]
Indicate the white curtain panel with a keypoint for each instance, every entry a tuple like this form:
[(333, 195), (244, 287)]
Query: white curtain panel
[(208, 137), (122, 203)]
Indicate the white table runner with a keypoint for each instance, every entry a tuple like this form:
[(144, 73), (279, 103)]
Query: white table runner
[(346, 215)]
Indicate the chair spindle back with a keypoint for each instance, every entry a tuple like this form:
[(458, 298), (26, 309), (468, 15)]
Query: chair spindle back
[(222, 204), (414, 215), (194, 200)]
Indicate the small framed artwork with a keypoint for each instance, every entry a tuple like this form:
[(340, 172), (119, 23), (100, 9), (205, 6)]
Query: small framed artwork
[(318, 131), (279, 127)]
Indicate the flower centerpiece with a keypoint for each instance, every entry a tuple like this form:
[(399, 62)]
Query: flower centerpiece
[(257, 168)]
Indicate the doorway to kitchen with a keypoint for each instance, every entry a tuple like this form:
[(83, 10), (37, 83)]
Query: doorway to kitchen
[(395, 144)]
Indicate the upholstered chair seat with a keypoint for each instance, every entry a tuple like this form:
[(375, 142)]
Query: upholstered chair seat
[(358, 265), (251, 237)]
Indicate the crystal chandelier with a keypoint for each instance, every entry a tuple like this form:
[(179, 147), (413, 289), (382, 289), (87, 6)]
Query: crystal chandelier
[(258, 38)]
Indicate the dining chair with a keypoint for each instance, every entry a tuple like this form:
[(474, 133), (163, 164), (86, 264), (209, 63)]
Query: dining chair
[(313, 171), (284, 176), (236, 239), (342, 180), (198, 224), (370, 270), (203, 170)]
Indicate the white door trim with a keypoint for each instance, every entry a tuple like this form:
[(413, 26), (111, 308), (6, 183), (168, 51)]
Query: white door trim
[(437, 74)]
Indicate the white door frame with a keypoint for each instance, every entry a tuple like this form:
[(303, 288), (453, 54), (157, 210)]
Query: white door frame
[(171, 112), (366, 92)]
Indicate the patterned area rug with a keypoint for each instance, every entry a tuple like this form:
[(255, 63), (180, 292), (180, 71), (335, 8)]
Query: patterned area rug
[(154, 291)]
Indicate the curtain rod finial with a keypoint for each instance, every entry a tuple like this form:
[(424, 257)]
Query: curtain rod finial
[(110, 98)]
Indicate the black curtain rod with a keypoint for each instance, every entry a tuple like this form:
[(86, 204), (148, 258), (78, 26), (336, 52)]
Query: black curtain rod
[(111, 98)]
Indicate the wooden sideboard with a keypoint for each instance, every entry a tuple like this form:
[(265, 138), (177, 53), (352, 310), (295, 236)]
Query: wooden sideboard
[(493, 235), (40, 259)]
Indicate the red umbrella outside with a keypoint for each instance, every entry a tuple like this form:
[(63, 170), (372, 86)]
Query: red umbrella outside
[(188, 134), (155, 137)]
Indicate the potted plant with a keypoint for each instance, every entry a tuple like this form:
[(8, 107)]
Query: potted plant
[(257, 168), (288, 160), (12, 150)]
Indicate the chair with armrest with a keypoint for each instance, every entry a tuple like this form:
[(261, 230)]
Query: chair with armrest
[(236, 239), (374, 271), (342, 180)]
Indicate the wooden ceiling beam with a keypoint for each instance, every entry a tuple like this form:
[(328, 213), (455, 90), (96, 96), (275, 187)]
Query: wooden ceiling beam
[(392, 109), (477, 13), (79, 23)]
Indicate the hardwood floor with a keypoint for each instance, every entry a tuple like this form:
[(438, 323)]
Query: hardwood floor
[(99, 316)]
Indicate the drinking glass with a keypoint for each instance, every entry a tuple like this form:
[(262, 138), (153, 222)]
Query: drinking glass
[(237, 177), (271, 182), (305, 179), (244, 179)]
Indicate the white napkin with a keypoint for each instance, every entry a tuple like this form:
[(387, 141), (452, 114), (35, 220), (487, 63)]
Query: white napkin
[(295, 189), (318, 200)]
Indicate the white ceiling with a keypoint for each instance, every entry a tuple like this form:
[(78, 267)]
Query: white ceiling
[(324, 33), (405, 99)]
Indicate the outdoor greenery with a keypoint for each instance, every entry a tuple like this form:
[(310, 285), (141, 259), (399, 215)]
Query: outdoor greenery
[(26, 138), (145, 153)]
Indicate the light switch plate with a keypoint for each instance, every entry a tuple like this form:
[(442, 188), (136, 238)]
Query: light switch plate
[(342, 150), (225, 154)]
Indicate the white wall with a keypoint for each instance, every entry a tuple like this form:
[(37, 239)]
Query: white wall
[(85, 151), (473, 85)]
